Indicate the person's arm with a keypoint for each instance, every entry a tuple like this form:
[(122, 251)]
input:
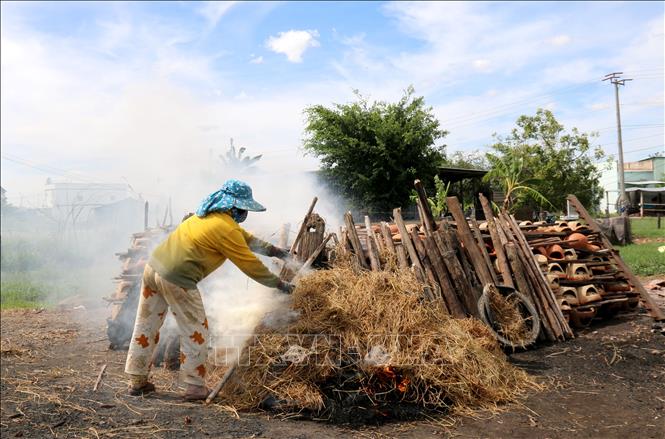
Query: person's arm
[(262, 247), (235, 248)]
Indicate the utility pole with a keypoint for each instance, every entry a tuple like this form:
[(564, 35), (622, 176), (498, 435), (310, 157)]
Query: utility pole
[(615, 78)]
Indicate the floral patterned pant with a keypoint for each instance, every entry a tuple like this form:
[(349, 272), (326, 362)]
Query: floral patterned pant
[(157, 295)]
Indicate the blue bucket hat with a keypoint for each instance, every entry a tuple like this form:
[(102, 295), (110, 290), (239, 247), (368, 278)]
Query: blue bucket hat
[(234, 193)]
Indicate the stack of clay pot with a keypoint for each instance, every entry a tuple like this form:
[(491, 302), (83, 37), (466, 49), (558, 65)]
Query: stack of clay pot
[(579, 297)]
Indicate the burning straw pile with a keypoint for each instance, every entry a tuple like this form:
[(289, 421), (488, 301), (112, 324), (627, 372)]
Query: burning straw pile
[(366, 339)]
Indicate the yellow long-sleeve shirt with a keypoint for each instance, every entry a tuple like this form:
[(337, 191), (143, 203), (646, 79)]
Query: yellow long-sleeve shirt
[(198, 246)]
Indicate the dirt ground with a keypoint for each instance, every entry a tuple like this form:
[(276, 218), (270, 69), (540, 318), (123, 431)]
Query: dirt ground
[(609, 382)]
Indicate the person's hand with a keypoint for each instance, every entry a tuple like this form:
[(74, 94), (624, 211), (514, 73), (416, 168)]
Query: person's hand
[(285, 287), (278, 252)]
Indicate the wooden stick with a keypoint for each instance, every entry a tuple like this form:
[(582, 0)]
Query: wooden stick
[(496, 242), (464, 233), (447, 289), (483, 250), (524, 287), (303, 225), (651, 306), (423, 203), (401, 256), (406, 240), (220, 385), (352, 233), (99, 378), (466, 294), (284, 235), (387, 238), (541, 286), (314, 255), (374, 260)]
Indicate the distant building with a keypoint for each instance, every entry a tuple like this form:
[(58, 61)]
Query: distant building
[(647, 173), (76, 202)]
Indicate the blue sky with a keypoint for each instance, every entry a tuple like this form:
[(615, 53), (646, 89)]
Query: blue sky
[(144, 91)]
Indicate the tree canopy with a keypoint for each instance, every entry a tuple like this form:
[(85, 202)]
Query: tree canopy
[(372, 152), (554, 162)]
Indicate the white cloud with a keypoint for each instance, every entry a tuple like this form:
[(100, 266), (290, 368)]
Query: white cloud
[(213, 11), (598, 106), (293, 43), (560, 40), (482, 65), (256, 60)]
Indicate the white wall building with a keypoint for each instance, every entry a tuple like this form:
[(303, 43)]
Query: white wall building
[(74, 202)]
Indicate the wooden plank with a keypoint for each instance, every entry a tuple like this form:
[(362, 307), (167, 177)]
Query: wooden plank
[(429, 269), (387, 238), (447, 289), (539, 283), (496, 242), (423, 203), (524, 287), (374, 260), (651, 306), (355, 241), (303, 225), (284, 235), (483, 250), (469, 242), (406, 240), (402, 259), (468, 295)]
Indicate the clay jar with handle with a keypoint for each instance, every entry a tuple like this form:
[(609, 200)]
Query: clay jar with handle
[(578, 241)]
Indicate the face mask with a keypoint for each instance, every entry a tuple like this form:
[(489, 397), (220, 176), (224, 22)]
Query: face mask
[(238, 215)]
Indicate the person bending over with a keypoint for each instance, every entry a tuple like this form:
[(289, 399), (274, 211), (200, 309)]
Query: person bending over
[(197, 247)]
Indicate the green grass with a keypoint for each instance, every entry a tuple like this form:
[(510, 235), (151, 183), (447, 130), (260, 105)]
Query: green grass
[(17, 290), (644, 259), (647, 227)]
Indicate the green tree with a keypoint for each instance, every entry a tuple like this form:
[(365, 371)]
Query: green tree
[(554, 162), (372, 153)]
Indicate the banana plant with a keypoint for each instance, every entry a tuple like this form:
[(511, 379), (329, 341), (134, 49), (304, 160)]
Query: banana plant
[(234, 159), (508, 173)]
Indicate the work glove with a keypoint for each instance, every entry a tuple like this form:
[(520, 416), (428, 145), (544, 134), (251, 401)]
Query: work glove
[(278, 252), (285, 287)]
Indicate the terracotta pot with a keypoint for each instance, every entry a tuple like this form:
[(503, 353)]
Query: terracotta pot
[(564, 306), (587, 293), (555, 252), (542, 251), (556, 270), (592, 248), (570, 294), (580, 319), (569, 254), (526, 223), (618, 287), (397, 237), (553, 281), (578, 241), (541, 259), (561, 223), (393, 228), (578, 272), (410, 227), (483, 226)]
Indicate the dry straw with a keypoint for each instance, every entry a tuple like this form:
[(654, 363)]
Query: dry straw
[(368, 338)]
